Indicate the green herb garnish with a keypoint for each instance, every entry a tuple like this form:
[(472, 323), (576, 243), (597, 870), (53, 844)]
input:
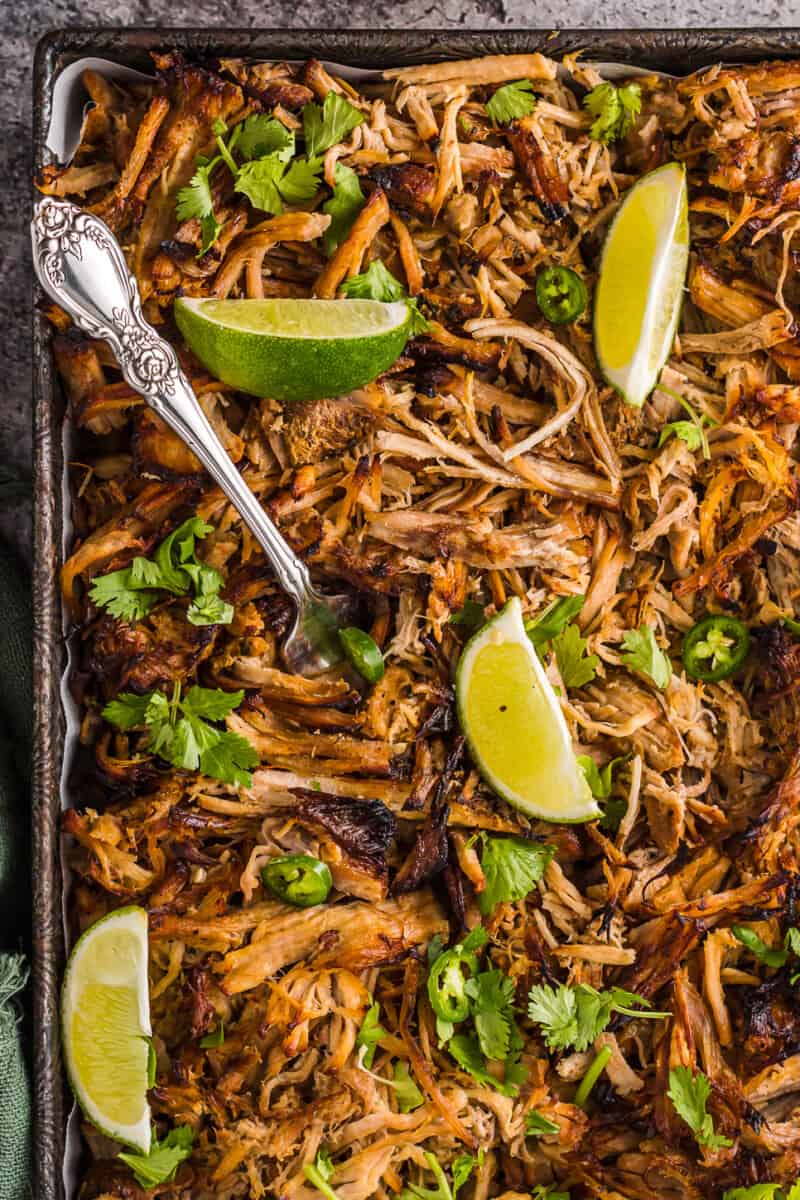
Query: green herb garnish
[(179, 732)]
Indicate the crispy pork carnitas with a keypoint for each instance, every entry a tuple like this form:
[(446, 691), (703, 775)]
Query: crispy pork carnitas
[(455, 998)]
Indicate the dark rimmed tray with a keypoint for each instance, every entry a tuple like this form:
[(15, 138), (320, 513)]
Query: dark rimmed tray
[(675, 51)]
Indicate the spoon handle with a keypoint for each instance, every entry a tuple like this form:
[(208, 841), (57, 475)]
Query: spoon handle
[(81, 266)]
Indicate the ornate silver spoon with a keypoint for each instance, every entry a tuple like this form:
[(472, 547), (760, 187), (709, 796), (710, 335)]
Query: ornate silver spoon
[(80, 264)]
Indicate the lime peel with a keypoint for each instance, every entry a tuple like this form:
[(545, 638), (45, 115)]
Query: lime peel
[(105, 1019), (295, 349), (640, 286), (514, 726)]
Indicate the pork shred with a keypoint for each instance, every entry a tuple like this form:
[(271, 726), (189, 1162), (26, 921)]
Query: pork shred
[(491, 460)]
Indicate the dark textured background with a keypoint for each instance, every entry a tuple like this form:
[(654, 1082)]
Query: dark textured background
[(22, 22)]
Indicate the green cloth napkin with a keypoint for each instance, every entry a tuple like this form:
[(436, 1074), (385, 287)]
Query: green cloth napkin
[(16, 713)]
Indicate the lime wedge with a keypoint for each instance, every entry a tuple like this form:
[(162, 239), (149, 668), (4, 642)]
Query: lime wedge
[(294, 349), (514, 726), (638, 296), (105, 1018)]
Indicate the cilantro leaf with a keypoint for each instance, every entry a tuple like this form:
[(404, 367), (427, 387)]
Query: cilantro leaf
[(615, 110), (575, 1016), (114, 593), (646, 656), (376, 283), (750, 939), (693, 431), (545, 1192), (370, 1034), (492, 996), (143, 574), (792, 940), (211, 703), (209, 610), (538, 1125), (258, 181), (160, 1165), (556, 1010), (465, 1049), (268, 182), (408, 1094), (261, 135), (194, 200), (319, 1173), (127, 710), (214, 1039), (343, 207), (613, 813), (511, 101), (327, 126), (210, 229), (511, 867), (230, 759), (689, 1094), (462, 1168), (599, 778), (300, 182), (570, 648), (471, 615), (553, 619), (687, 431)]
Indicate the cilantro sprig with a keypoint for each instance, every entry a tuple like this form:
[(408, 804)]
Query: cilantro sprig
[(553, 629), (488, 1032), (329, 124), (600, 780), (511, 101), (771, 957), (259, 153), (572, 1017), (160, 1165), (693, 431), (462, 1168), (615, 110), (512, 867), (178, 730), (575, 666), (130, 593), (553, 620), (378, 283), (643, 654), (689, 1094), (404, 1086)]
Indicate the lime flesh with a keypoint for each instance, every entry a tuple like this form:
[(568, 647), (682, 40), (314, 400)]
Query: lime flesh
[(640, 287), (105, 1019), (514, 726), (294, 349)]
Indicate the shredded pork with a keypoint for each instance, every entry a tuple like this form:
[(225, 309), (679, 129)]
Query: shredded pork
[(491, 461)]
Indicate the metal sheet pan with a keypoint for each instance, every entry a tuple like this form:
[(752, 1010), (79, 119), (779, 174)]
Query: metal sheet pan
[(675, 51)]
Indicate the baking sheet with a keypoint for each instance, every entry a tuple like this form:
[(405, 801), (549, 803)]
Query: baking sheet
[(61, 101)]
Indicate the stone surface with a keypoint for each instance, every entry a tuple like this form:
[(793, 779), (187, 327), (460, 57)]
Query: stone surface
[(23, 22)]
